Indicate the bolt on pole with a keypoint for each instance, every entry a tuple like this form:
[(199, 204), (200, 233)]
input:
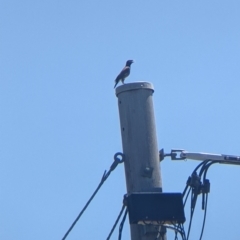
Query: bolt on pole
[(140, 147)]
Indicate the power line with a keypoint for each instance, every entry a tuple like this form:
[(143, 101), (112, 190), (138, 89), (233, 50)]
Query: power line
[(116, 222), (121, 224), (198, 187), (204, 218), (117, 160)]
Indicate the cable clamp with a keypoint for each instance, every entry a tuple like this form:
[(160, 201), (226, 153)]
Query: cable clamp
[(118, 158), (176, 154)]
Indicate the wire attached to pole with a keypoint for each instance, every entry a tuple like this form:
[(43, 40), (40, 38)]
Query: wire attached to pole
[(121, 224), (116, 222), (199, 187), (117, 160)]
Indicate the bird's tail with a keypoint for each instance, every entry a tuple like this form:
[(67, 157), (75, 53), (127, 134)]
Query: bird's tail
[(116, 82)]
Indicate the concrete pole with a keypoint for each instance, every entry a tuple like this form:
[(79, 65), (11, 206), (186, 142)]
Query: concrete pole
[(139, 142)]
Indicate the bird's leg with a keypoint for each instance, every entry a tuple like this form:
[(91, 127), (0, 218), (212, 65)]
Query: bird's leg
[(123, 80)]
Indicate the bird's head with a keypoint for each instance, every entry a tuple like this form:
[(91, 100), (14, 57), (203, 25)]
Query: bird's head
[(129, 62)]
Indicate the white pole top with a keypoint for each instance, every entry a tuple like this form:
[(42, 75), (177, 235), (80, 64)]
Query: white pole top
[(134, 86)]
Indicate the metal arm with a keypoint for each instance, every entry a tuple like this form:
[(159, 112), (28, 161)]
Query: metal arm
[(221, 158)]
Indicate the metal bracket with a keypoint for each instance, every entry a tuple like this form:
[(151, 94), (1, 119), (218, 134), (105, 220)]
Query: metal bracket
[(174, 154)]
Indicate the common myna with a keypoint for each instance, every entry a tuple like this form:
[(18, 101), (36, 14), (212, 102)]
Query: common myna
[(124, 73)]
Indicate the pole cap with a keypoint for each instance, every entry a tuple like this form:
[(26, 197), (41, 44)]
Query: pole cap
[(134, 86)]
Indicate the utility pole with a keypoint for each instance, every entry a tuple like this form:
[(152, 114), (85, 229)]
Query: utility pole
[(140, 147)]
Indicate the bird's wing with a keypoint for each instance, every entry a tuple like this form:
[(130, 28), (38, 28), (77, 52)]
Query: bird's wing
[(123, 74)]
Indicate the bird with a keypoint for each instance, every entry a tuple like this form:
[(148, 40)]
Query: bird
[(124, 73)]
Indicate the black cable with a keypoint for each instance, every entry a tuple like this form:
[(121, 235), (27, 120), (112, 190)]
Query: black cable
[(86, 205), (204, 218), (104, 178), (158, 232), (177, 230), (194, 183), (116, 222), (197, 188), (199, 165), (161, 231), (176, 235), (205, 187), (203, 171), (182, 231), (193, 204), (205, 202), (185, 189), (121, 224), (205, 163), (186, 197), (207, 167)]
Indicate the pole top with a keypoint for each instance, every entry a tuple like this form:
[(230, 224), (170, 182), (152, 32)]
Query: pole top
[(134, 86)]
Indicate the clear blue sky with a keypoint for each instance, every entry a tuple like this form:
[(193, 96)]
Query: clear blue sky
[(59, 123)]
